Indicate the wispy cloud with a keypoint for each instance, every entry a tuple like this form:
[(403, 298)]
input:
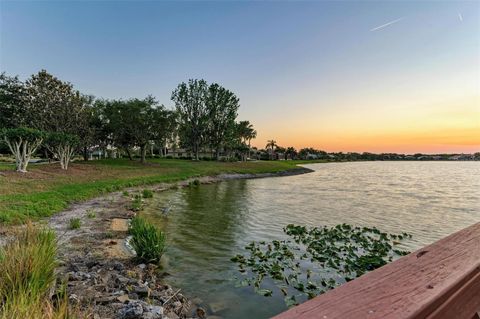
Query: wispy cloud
[(460, 17), (380, 27)]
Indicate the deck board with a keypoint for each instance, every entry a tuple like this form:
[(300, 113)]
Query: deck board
[(441, 280)]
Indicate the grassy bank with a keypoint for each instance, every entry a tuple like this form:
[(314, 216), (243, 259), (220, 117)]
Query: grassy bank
[(46, 189)]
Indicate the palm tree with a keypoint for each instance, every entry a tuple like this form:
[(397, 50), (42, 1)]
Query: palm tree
[(247, 133), (271, 144)]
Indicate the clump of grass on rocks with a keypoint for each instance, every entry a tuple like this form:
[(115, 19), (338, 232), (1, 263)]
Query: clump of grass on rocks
[(148, 241), (27, 276), (74, 223), (147, 193)]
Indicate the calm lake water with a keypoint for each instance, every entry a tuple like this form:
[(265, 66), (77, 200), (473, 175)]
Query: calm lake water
[(209, 224)]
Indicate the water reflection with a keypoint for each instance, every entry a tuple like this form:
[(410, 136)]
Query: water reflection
[(209, 224)]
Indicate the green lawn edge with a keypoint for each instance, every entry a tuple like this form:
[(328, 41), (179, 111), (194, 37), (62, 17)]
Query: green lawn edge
[(18, 208)]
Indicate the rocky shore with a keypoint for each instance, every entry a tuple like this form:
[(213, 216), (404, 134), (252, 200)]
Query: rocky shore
[(101, 277)]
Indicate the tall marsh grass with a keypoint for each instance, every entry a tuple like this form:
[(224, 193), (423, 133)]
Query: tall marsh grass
[(148, 241), (27, 277)]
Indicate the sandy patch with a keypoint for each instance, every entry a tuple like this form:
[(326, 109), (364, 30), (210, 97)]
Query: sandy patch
[(119, 224)]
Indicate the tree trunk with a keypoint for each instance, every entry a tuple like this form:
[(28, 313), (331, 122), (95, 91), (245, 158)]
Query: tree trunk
[(85, 153), (196, 152), (128, 153), (143, 151)]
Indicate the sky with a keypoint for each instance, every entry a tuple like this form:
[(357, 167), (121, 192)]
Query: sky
[(393, 76)]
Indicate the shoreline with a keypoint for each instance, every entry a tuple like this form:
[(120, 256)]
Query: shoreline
[(102, 277)]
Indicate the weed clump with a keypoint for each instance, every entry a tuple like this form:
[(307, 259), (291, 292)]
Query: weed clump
[(74, 223), (147, 193), (28, 273), (148, 241)]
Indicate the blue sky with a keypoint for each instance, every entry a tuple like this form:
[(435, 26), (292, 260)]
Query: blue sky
[(307, 73)]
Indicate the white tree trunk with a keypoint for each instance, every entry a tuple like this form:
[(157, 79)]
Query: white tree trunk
[(22, 150)]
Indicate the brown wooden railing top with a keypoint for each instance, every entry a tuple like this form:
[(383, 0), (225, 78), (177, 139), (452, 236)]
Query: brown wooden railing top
[(441, 280)]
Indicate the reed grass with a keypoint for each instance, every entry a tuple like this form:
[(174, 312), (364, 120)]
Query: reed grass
[(148, 241), (27, 277)]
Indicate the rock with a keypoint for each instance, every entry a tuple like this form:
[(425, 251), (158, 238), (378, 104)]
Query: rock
[(177, 305), (217, 307), (156, 294), (78, 276), (197, 301), (142, 291), (142, 266), (119, 293), (201, 313), (91, 263), (133, 296), (123, 298), (172, 315), (106, 299), (132, 310), (118, 266), (155, 312), (119, 279), (73, 299)]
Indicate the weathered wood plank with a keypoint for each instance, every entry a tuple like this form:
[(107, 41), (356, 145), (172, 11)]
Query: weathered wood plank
[(441, 280)]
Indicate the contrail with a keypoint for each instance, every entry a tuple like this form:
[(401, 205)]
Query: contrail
[(460, 17), (386, 24)]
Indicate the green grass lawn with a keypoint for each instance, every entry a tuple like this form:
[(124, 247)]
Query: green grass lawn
[(46, 189)]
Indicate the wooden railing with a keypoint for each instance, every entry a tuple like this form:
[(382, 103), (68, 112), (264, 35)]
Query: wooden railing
[(441, 280)]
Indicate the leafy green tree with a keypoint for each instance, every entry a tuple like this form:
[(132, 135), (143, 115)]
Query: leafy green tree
[(12, 97), (190, 102), (62, 145), (135, 123), (53, 105), (22, 142), (221, 106), (163, 127), (291, 151)]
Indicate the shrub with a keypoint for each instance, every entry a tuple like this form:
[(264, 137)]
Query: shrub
[(136, 204), (147, 193), (27, 273), (74, 223), (147, 240), (91, 214), (195, 182), (125, 193)]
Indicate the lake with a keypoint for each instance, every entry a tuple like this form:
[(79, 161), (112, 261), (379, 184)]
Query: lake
[(209, 224)]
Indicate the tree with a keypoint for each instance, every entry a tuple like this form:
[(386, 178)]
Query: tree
[(190, 103), (53, 105), (22, 142), (62, 145), (247, 133), (271, 144), (89, 127), (163, 127), (134, 123), (291, 151), (12, 97), (221, 107)]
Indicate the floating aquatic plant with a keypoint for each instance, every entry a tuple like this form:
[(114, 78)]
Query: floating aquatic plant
[(315, 260)]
